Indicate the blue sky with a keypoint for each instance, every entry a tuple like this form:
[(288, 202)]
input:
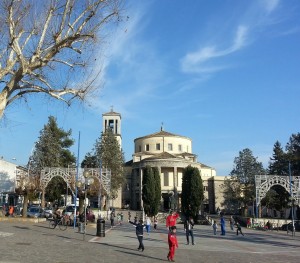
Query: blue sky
[(224, 73)]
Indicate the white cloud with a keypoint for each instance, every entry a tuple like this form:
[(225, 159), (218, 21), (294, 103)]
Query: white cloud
[(197, 62), (257, 17), (270, 5)]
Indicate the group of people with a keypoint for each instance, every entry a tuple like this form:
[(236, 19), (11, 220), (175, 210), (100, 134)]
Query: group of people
[(58, 213), (8, 210), (171, 221), (120, 218), (232, 223)]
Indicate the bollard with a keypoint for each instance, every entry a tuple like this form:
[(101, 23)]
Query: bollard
[(100, 228), (81, 227)]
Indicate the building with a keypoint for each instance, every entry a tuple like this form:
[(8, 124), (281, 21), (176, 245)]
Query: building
[(112, 120), (10, 175), (171, 153)]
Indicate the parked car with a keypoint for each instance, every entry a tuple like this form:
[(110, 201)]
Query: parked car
[(289, 226), (34, 212), (70, 209), (90, 217), (47, 212)]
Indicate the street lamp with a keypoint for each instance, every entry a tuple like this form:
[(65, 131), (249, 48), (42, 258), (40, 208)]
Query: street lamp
[(141, 188), (85, 185), (292, 199)]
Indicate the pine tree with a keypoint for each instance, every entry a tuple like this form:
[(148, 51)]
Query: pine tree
[(52, 147), (246, 167), (293, 151), (192, 191), (90, 160), (109, 154), (52, 150), (278, 164)]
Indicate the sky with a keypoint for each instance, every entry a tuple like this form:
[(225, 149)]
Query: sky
[(224, 73)]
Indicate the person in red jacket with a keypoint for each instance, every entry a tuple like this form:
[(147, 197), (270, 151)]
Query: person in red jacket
[(173, 243), (171, 219)]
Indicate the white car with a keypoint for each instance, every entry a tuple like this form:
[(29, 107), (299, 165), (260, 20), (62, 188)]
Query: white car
[(47, 212), (70, 209)]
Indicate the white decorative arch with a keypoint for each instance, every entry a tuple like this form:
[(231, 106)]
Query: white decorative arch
[(103, 175), (69, 175), (263, 183)]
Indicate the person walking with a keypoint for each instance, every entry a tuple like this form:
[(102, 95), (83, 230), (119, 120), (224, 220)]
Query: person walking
[(119, 218), (155, 223), (112, 219), (231, 222), (215, 227), (148, 224), (171, 219), (188, 228), (238, 229), (122, 218), (129, 215), (173, 243), (222, 223), (139, 230), (248, 223)]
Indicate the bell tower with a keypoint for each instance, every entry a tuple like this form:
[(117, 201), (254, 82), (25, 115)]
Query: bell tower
[(112, 120)]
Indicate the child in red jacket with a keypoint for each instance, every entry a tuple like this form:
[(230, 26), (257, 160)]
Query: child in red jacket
[(173, 243)]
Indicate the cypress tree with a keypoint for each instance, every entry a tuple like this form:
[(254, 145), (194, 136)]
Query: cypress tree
[(192, 191), (157, 189), (148, 190)]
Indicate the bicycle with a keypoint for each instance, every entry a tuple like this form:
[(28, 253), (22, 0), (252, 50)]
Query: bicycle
[(61, 223)]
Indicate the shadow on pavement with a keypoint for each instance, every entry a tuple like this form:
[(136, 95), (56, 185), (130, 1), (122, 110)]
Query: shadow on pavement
[(139, 254)]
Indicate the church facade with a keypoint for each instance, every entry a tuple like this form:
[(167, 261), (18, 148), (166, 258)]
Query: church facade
[(171, 153)]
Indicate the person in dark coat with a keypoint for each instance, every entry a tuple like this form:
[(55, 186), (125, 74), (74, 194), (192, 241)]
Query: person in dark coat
[(112, 219), (139, 230), (188, 228), (238, 229)]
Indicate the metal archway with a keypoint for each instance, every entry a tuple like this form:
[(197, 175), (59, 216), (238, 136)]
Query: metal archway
[(69, 175), (263, 184)]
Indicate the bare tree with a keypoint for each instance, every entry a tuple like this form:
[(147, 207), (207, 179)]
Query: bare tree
[(28, 186), (45, 47)]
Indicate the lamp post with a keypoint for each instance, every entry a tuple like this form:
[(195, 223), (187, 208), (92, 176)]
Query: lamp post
[(85, 185), (141, 186), (292, 199)]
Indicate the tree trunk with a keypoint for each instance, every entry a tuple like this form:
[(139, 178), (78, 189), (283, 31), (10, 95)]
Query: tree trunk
[(25, 202), (43, 199), (81, 204)]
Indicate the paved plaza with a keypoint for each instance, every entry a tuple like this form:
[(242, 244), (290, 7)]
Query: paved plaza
[(36, 242)]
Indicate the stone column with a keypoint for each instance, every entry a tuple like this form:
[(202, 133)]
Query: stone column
[(175, 177)]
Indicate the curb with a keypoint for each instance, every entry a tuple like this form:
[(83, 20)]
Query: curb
[(21, 219)]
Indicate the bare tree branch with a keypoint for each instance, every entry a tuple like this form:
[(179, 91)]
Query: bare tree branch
[(42, 38)]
